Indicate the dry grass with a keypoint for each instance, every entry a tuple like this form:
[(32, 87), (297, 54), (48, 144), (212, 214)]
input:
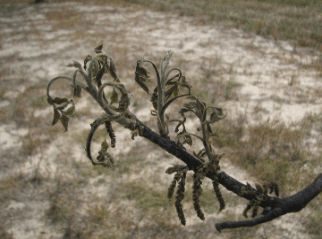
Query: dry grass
[(296, 20), (291, 20), (270, 151)]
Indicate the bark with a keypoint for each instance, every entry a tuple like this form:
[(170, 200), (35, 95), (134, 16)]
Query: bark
[(273, 207)]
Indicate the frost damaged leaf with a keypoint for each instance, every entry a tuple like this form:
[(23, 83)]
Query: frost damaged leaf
[(176, 168), (77, 91), (104, 146), (141, 76), (172, 91), (58, 100), (69, 109), (184, 138), (57, 115), (114, 97), (104, 157), (63, 111), (64, 120), (213, 114)]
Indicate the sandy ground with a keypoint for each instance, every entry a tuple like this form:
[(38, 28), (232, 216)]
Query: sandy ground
[(37, 42)]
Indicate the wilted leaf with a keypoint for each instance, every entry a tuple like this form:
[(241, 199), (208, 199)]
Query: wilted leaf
[(259, 188), (104, 146), (57, 115), (58, 100), (50, 100), (87, 59), (64, 119), (77, 91), (184, 138), (68, 109), (99, 48), (141, 76), (175, 168), (213, 114), (114, 97), (196, 106), (173, 90)]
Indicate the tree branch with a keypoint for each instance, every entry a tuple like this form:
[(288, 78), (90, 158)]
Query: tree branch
[(277, 207), (63, 108), (273, 207)]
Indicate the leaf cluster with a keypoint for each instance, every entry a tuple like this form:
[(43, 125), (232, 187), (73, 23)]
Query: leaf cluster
[(261, 194)]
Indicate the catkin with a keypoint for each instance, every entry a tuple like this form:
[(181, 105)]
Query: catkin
[(179, 198)]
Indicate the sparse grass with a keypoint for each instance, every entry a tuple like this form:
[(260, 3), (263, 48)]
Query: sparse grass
[(145, 197), (315, 218), (4, 234), (270, 150), (62, 201), (290, 20)]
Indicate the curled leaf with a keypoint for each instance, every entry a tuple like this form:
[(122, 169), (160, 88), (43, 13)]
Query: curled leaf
[(99, 48), (77, 91), (58, 100), (104, 158), (87, 59), (184, 138), (114, 97), (213, 114), (68, 109), (57, 115), (141, 76), (176, 168), (64, 119), (63, 111), (119, 95)]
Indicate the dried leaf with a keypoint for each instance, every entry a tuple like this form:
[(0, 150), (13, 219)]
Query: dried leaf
[(176, 168), (213, 114), (184, 138), (87, 59), (58, 100), (104, 146), (99, 49), (173, 90), (64, 119), (57, 115), (141, 76), (77, 91), (69, 109), (259, 188), (114, 97)]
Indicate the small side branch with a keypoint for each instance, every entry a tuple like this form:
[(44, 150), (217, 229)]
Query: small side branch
[(276, 207)]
